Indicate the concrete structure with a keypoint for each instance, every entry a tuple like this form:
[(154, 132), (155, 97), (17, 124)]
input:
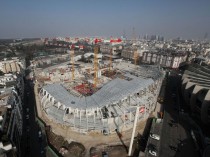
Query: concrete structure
[(111, 107), (196, 91)]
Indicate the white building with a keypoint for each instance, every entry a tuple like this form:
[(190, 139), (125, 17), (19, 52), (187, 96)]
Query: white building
[(12, 122), (170, 60)]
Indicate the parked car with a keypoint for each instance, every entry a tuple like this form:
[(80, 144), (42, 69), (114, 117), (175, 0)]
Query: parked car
[(152, 152), (155, 136), (27, 116), (152, 149)]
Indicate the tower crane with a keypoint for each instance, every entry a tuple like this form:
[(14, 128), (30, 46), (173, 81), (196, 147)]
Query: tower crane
[(72, 63), (135, 57), (96, 66), (110, 61)]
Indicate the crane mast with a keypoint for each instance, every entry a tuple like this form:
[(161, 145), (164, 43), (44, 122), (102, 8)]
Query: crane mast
[(72, 63), (96, 66), (135, 57), (110, 61)]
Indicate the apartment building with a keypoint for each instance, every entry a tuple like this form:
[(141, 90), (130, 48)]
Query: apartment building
[(164, 58), (12, 66)]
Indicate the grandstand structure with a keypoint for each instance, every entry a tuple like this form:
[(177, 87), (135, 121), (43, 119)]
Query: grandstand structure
[(196, 91), (111, 106)]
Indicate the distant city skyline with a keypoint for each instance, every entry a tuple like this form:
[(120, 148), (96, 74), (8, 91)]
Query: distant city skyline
[(171, 19)]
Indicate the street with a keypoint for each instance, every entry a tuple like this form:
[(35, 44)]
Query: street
[(33, 141), (175, 137)]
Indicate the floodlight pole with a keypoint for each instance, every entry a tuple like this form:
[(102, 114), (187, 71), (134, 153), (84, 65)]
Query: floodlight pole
[(134, 129)]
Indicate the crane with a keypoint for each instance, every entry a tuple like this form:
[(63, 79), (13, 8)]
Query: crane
[(135, 57), (72, 63), (110, 61), (96, 66)]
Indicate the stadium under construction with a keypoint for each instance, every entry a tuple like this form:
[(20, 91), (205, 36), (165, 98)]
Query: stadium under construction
[(101, 96)]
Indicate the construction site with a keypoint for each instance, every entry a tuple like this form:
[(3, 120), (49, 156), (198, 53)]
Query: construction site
[(99, 97)]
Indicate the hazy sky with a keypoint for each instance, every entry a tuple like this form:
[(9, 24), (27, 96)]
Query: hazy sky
[(50, 18)]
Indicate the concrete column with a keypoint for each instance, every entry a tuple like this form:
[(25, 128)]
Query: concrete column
[(80, 121), (151, 58), (53, 100), (64, 115), (158, 59), (44, 102), (155, 58), (74, 120), (43, 98), (86, 118), (41, 91), (59, 104), (146, 57)]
